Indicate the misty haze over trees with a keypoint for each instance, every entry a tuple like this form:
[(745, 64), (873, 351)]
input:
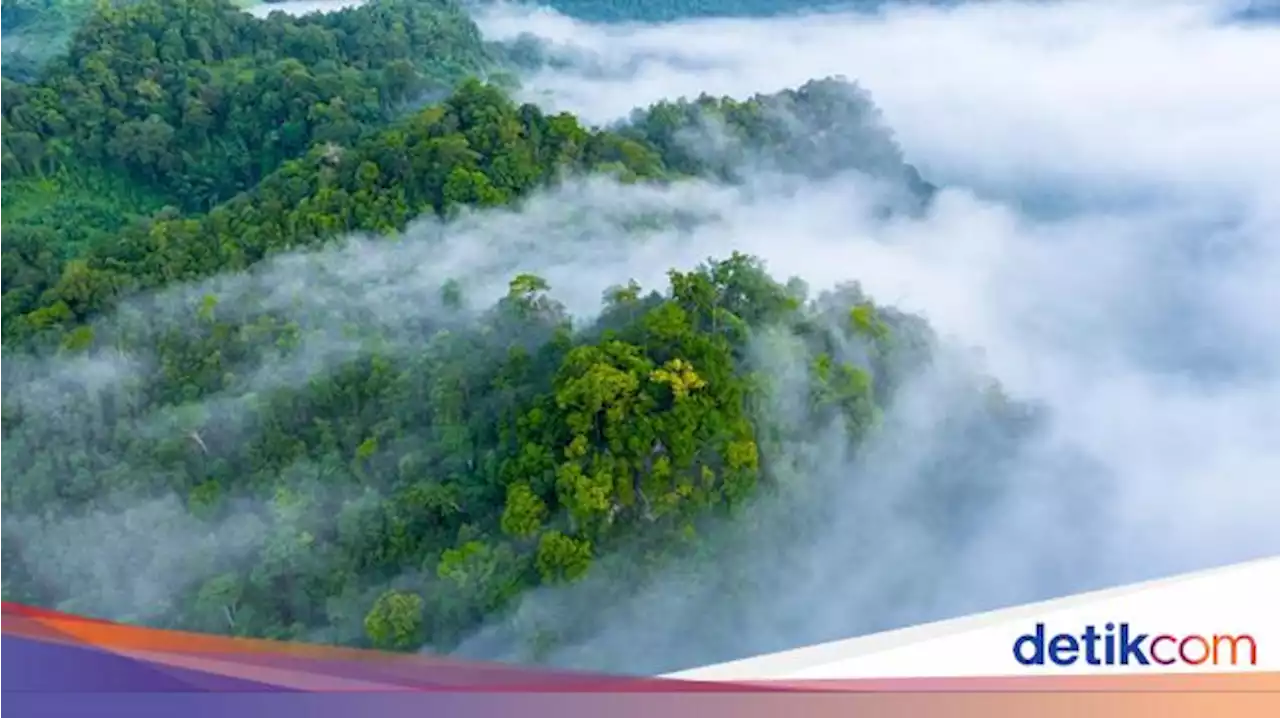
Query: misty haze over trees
[(323, 327)]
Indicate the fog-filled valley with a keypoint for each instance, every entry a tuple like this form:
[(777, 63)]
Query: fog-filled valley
[(632, 338)]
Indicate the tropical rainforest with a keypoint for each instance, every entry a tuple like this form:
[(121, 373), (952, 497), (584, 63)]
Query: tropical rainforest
[(388, 479)]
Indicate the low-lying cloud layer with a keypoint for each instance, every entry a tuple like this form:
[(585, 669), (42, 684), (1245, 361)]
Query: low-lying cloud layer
[(1107, 236)]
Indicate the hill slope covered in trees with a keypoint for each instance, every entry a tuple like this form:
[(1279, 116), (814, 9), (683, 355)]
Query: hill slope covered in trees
[(231, 416), (188, 102)]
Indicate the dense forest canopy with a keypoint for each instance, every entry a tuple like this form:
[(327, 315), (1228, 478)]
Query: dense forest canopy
[(343, 472), (185, 104), (199, 100)]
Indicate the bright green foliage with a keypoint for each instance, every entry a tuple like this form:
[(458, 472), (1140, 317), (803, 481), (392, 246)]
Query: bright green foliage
[(866, 322), (850, 389), (562, 558), (395, 621), (485, 576), (524, 512)]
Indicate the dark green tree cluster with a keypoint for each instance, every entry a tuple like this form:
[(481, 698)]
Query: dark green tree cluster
[(819, 129), (188, 103), (202, 100)]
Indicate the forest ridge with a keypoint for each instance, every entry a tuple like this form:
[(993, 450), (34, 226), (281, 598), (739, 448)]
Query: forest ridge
[(451, 460)]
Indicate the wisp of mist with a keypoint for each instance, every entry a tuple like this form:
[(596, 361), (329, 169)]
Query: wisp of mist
[(1105, 244)]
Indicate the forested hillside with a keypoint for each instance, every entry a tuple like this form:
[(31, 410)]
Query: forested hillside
[(818, 130), (475, 148), (290, 458), (198, 100), (189, 102)]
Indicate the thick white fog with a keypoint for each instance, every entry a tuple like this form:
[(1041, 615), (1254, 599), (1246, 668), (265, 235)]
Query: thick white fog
[(1107, 234)]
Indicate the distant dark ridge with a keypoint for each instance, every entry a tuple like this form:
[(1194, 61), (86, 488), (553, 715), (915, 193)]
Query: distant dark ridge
[(671, 10)]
